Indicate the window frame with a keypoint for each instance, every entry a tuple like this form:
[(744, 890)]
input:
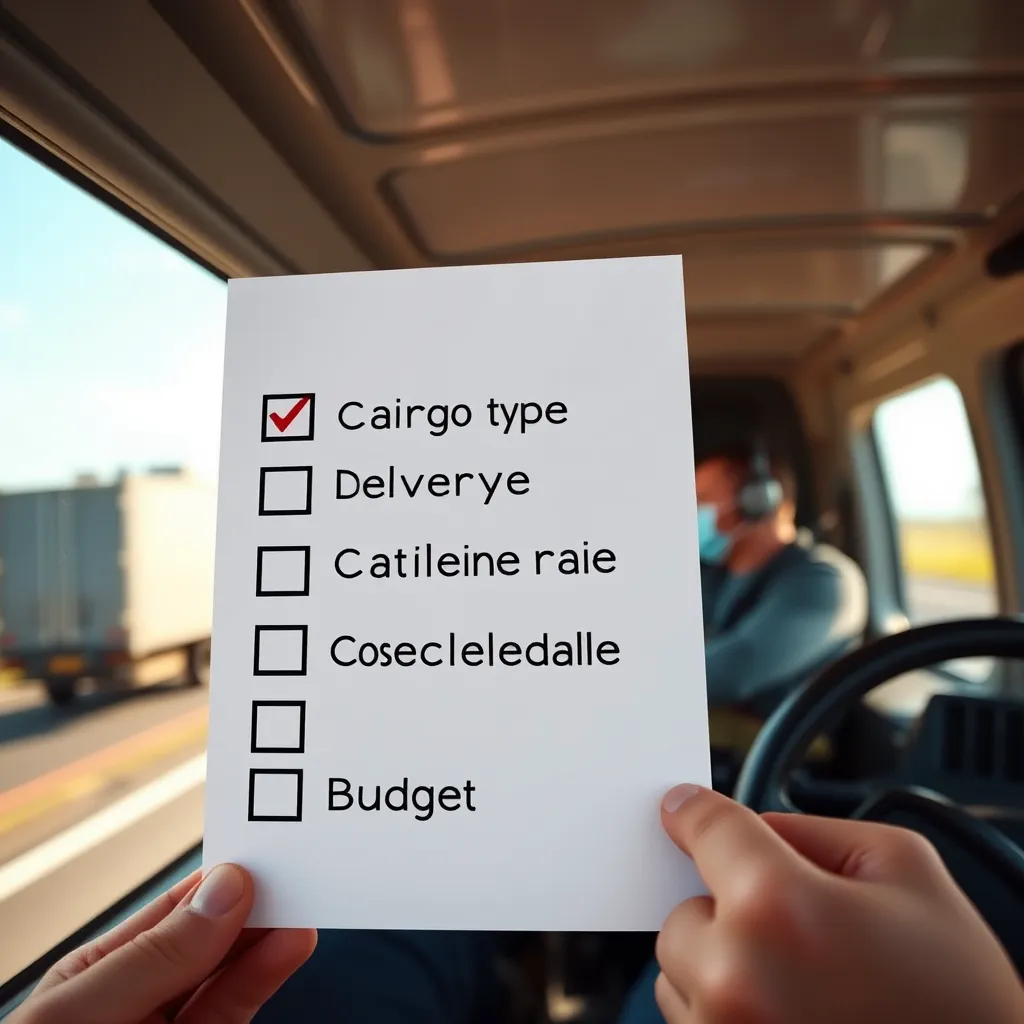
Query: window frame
[(79, 179), (888, 594), (1003, 383), (1004, 387), (880, 545)]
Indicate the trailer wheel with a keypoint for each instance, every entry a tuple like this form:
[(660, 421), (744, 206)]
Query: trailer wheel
[(198, 672), (60, 691)]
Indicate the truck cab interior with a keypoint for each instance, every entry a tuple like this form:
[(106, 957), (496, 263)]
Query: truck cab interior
[(845, 182)]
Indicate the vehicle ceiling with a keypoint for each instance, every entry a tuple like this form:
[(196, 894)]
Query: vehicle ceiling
[(821, 164)]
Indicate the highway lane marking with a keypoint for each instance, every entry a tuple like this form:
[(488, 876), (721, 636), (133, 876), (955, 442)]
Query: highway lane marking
[(19, 697), (91, 773), (55, 853)]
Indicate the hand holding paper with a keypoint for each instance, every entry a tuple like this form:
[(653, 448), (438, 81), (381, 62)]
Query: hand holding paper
[(814, 919), (184, 957)]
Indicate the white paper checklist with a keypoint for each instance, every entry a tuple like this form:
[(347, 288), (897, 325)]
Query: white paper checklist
[(458, 650)]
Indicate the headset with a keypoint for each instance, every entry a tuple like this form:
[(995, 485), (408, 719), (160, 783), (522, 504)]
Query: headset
[(760, 495)]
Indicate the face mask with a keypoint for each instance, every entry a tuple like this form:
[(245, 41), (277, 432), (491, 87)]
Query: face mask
[(712, 544)]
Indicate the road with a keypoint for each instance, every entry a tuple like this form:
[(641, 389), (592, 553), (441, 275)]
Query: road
[(935, 600), (123, 775), (94, 799)]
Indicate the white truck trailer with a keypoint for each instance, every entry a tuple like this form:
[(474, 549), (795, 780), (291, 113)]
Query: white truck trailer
[(113, 584)]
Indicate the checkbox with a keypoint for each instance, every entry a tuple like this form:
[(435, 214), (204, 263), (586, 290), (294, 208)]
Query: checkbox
[(288, 417), (278, 727), (282, 572), (280, 651), (275, 794), (286, 490)]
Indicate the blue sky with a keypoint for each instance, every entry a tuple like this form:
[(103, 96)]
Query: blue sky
[(111, 343), (111, 352)]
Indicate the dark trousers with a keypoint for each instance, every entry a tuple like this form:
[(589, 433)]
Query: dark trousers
[(363, 977)]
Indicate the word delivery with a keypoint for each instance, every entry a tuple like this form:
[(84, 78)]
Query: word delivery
[(436, 485)]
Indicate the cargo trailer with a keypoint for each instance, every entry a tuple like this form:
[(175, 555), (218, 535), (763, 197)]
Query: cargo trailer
[(112, 584)]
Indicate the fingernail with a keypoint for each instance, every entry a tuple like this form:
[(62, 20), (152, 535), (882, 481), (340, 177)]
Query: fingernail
[(218, 892), (677, 796)]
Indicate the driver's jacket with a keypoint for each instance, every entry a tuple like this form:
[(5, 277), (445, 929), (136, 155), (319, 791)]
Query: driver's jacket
[(767, 631)]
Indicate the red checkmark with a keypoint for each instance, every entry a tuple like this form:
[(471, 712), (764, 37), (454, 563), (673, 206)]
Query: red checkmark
[(284, 422)]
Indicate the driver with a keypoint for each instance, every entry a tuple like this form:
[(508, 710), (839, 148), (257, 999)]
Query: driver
[(777, 606)]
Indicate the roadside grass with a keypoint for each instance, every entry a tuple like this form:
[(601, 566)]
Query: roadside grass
[(958, 551)]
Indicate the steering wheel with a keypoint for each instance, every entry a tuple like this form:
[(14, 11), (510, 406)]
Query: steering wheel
[(781, 745), (997, 889)]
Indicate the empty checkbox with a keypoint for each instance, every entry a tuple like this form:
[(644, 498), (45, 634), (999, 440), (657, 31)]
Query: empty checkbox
[(275, 794), (278, 727), (282, 572), (280, 651), (286, 490)]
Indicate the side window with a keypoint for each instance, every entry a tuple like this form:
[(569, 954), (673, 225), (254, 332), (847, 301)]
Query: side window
[(111, 349), (934, 485)]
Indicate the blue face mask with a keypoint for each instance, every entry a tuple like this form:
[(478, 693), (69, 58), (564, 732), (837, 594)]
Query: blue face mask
[(712, 544)]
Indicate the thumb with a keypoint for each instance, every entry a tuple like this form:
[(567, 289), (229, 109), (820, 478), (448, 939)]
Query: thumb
[(730, 845), (165, 961)]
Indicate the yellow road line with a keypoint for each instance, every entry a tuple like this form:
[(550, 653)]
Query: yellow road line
[(92, 773)]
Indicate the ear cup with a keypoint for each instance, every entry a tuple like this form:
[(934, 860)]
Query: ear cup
[(760, 494), (759, 499)]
